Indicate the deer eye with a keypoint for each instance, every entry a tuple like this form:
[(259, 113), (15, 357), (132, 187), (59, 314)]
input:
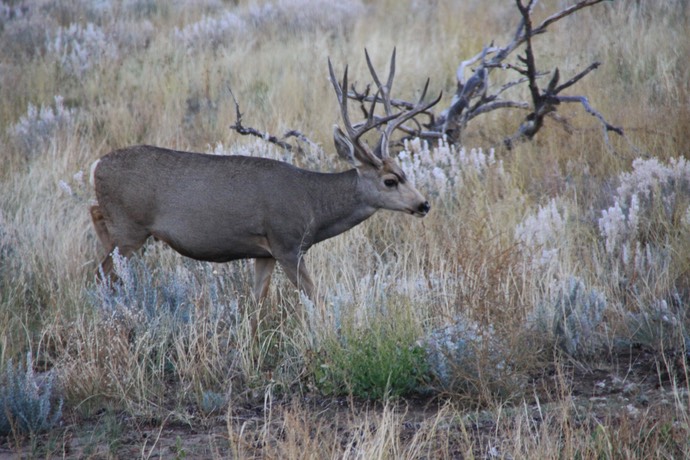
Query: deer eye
[(390, 182)]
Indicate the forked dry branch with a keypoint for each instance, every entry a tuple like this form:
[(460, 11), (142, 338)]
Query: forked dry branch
[(281, 142)]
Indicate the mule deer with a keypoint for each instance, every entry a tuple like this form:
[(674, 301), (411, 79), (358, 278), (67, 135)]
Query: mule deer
[(223, 208)]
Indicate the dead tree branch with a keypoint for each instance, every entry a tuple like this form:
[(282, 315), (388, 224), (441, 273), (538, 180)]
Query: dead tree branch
[(279, 141)]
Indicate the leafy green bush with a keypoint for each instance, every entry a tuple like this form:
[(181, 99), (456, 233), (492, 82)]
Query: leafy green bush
[(25, 400), (372, 363)]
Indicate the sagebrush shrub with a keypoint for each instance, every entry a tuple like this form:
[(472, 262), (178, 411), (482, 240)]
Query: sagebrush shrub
[(162, 299), (22, 31), (463, 356), (293, 16), (652, 201), (282, 16), (572, 315), (7, 250), (39, 127), (444, 168), (642, 232), (26, 402), (542, 234), (662, 326), (78, 48)]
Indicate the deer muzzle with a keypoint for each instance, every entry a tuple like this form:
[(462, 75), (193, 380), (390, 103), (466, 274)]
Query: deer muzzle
[(424, 209)]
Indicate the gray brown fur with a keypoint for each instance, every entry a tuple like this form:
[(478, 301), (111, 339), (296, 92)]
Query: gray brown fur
[(223, 208)]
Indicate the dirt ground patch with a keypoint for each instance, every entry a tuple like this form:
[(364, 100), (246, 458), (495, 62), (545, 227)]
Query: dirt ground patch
[(632, 392)]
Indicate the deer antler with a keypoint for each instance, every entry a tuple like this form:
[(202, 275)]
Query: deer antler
[(403, 116), (392, 120), (355, 132), (384, 90)]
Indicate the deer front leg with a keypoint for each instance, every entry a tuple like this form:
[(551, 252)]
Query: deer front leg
[(263, 269), (297, 273)]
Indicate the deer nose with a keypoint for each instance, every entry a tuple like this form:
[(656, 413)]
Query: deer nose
[(424, 207)]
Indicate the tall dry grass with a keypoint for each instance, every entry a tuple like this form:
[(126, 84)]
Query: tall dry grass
[(508, 275)]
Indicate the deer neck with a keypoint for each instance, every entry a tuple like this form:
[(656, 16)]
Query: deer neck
[(339, 204)]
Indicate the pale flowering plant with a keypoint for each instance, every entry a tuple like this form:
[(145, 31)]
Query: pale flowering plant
[(574, 314), (305, 15), (542, 234), (35, 130), (443, 167), (652, 204), (77, 48), (286, 16), (211, 31)]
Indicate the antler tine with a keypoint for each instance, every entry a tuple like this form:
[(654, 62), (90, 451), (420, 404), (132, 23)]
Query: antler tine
[(370, 121), (384, 90), (356, 131), (342, 98), (404, 116), (391, 71), (334, 81)]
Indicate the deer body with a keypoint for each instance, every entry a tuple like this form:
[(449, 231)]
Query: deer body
[(223, 208)]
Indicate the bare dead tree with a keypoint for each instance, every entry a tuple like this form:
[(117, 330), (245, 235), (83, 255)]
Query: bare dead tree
[(544, 101), (476, 94)]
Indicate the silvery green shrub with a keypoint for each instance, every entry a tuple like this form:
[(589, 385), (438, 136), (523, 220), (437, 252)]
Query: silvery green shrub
[(37, 129), (26, 404), (573, 315), (462, 355)]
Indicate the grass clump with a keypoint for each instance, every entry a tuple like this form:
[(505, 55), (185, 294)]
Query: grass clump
[(374, 362)]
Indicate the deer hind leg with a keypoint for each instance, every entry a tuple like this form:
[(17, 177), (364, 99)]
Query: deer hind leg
[(127, 240), (101, 228), (263, 269), (106, 266)]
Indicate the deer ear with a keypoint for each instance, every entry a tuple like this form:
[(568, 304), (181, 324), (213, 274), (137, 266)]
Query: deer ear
[(344, 147)]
